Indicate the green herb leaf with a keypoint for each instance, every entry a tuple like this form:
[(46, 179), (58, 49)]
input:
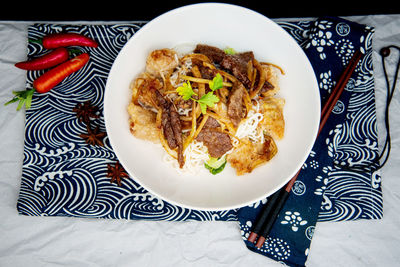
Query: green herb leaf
[(24, 97), (185, 91), (209, 100), (216, 83), (230, 51)]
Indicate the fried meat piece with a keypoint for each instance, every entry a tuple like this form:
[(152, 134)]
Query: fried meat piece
[(213, 53), (171, 124), (217, 142), (235, 103), (237, 65)]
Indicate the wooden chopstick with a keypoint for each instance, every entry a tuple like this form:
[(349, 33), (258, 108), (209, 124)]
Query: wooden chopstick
[(339, 87), (264, 214), (271, 210)]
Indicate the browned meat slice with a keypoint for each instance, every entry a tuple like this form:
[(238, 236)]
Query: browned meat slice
[(207, 73), (235, 103), (237, 64), (177, 129), (211, 123), (165, 119), (213, 53), (167, 128), (161, 101), (217, 142), (171, 124), (266, 87)]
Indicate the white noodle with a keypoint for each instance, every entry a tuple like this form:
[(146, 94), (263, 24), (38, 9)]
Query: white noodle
[(248, 127), (184, 111), (195, 156)]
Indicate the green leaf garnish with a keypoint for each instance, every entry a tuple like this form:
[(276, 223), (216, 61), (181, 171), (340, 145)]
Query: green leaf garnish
[(216, 82), (24, 97), (230, 51), (209, 100), (185, 91)]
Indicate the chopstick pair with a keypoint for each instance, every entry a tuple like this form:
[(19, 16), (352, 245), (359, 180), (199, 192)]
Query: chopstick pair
[(271, 209)]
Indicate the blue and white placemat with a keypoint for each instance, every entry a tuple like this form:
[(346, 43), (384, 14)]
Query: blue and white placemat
[(65, 173)]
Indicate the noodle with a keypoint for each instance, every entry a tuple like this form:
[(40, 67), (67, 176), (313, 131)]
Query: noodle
[(249, 127), (197, 74), (274, 65), (203, 121)]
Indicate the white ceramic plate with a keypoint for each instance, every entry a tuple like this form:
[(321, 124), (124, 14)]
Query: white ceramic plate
[(221, 25)]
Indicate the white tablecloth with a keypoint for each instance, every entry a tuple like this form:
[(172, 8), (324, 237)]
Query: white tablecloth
[(61, 241)]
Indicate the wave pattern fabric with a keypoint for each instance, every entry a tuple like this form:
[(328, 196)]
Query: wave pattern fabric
[(351, 188), (63, 175)]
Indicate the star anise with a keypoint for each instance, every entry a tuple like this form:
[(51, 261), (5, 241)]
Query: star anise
[(116, 173), (85, 111), (94, 137)]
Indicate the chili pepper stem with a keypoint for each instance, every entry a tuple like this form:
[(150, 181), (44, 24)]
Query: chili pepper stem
[(74, 52), (36, 41)]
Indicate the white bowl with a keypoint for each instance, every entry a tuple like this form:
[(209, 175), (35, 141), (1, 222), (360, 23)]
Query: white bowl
[(221, 25)]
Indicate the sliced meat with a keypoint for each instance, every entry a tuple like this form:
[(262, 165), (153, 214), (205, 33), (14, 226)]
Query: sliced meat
[(211, 123), (177, 129), (266, 87), (237, 65), (213, 53), (171, 124), (166, 119), (167, 129), (235, 103), (217, 142), (160, 100), (207, 73)]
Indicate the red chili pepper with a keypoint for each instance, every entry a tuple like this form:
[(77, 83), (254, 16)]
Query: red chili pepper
[(49, 79), (46, 61), (67, 39), (54, 76)]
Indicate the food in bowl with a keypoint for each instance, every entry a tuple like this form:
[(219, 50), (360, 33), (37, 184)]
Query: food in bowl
[(209, 107)]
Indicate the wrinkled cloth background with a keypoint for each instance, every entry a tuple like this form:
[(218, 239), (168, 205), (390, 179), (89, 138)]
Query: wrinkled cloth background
[(60, 241)]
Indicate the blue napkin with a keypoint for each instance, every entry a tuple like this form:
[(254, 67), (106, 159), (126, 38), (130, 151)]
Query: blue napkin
[(337, 181), (65, 175)]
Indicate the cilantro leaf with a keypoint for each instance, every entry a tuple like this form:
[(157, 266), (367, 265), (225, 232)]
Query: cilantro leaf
[(185, 91), (216, 82), (209, 100)]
